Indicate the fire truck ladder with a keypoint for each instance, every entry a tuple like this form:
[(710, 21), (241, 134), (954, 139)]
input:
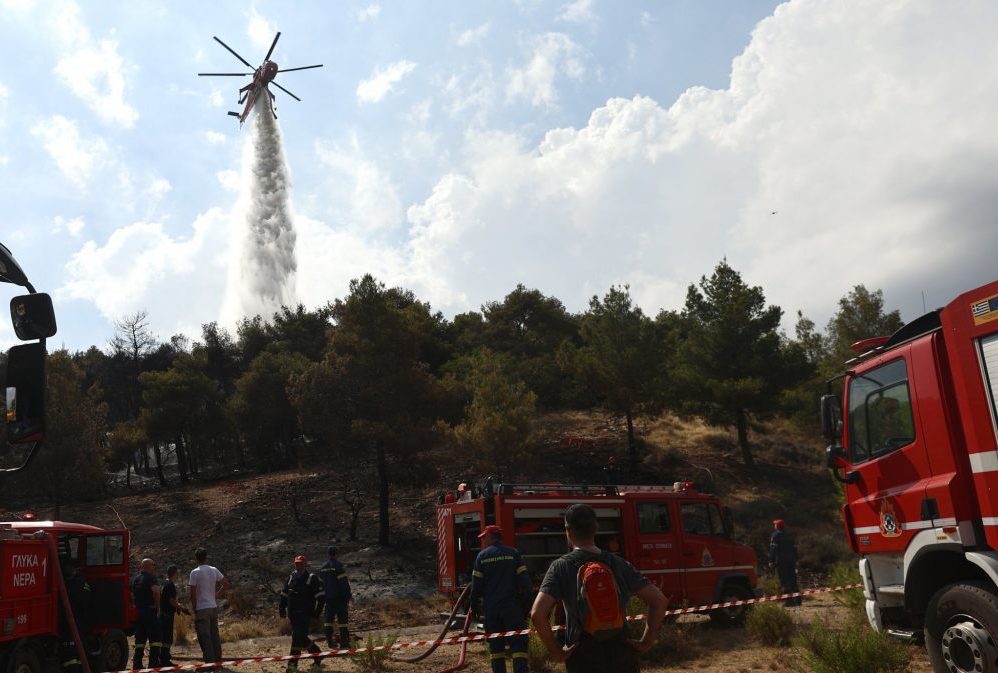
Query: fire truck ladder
[(461, 659)]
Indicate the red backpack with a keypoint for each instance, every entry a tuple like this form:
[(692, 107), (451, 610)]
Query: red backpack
[(599, 601)]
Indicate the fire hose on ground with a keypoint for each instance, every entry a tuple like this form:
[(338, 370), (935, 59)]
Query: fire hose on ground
[(464, 639)]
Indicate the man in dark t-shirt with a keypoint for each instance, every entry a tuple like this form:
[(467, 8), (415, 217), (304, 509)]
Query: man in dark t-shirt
[(168, 609), (583, 653)]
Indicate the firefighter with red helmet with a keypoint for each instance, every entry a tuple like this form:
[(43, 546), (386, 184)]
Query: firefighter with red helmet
[(501, 580), (300, 602), (783, 556)]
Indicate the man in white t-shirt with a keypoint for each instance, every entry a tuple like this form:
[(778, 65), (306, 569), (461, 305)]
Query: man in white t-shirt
[(206, 583)]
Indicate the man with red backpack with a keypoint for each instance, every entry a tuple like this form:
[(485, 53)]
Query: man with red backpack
[(500, 579), (594, 586)]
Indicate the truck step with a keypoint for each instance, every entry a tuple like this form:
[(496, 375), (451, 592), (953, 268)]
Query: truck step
[(892, 589), (905, 635)]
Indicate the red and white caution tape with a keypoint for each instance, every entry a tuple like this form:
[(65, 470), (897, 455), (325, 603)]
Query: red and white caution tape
[(457, 640)]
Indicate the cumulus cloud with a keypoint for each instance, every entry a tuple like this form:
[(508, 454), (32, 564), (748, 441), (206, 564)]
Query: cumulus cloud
[(74, 227), (143, 266), (260, 31), (91, 68), (552, 54), (473, 35), (382, 81), (215, 138), (580, 11), (866, 127), (369, 13), (363, 195), (74, 155)]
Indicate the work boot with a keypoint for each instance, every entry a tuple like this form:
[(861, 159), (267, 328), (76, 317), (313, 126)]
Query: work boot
[(344, 637), (293, 664), (140, 653), (164, 656)]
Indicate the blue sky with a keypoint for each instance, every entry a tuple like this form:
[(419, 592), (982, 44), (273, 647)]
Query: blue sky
[(459, 148)]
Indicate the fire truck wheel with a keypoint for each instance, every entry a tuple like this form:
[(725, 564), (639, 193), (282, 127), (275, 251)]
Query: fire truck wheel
[(114, 651), (735, 614), (24, 660), (961, 629)]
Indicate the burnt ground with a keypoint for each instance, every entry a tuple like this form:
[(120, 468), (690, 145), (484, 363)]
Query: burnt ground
[(254, 525)]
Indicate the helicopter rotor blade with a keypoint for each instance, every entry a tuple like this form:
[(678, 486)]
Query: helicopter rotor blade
[(306, 67), (272, 45), (233, 52), (286, 91), (225, 74)]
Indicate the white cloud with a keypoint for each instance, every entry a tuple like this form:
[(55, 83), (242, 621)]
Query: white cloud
[(473, 89), (580, 11), (260, 32), (553, 54), (361, 194), (866, 126), (369, 13), (92, 68), (474, 35), (648, 19), (382, 81), (74, 155), (142, 266), (73, 227), (215, 138), (215, 98), (230, 180)]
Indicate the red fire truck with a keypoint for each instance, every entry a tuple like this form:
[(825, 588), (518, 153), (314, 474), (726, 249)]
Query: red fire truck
[(916, 451), (680, 538), (29, 594)]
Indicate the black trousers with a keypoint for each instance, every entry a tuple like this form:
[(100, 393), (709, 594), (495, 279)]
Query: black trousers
[(610, 656), (300, 638), (166, 627)]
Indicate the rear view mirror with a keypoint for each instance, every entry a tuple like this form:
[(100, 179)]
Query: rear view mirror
[(10, 270), (33, 316), (831, 417), (25, 384)]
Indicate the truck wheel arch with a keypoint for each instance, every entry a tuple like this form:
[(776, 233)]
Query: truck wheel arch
[(932, 568)]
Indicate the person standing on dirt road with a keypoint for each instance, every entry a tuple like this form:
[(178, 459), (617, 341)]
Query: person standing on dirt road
[(783, 556), (300, 602), (145, 591), (500, 579), (168, 609), (336, 592), (572, 580), (206, 584)]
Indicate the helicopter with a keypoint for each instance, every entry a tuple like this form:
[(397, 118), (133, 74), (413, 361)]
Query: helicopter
[(263, 76)]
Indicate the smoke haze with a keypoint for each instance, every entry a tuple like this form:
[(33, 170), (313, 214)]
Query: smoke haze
[(263, 277)]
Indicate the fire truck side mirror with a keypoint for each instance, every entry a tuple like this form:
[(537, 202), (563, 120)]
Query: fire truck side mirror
[(831, 417), (25, 401), (10, 270), (33, 316)]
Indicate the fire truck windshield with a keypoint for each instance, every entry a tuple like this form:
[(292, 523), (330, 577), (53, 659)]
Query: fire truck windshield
[(880, 417)]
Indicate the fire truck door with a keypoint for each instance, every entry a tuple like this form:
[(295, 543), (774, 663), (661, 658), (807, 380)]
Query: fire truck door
[(887, 452), (703, 550), (657, 553)]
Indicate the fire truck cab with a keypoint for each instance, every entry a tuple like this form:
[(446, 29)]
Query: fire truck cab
[(681, 539), (914, 441), (29, 594)]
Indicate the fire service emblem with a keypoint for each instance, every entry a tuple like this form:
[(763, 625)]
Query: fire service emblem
[(889, 524)]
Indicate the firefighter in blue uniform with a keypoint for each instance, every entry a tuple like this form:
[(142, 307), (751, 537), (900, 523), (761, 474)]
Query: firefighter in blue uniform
[(336, 590), (501, 580), (300, 601), (783, 555), (145, 593)]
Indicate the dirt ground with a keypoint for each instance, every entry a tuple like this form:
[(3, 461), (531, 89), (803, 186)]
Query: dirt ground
[(720, 650)]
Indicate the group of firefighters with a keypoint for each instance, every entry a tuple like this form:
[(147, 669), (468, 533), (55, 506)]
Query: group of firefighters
[(593, 586), (305, 595)]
